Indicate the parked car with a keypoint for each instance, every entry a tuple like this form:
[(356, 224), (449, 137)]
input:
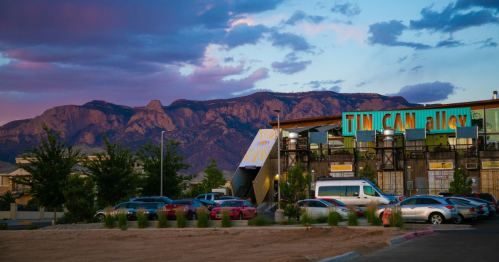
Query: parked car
[(466, 211), (190, 207), (352, 191), (163, 199), (335, 202), (483, 210), (239, 209), (150, 210), (485, 196), (207, 203), (223, 198), (490, 205), (127, 206), (435, 209), (215, 197), (320, 207)]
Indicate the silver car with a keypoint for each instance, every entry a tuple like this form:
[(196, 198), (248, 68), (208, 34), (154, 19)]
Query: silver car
[(467, 211), (319, 207), (435, 209), (482, 210)]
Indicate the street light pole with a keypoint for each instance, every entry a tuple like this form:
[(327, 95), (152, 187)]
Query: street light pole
[(278, 111), (162, 156)]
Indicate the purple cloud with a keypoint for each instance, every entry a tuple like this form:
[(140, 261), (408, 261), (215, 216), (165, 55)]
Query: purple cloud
[(295, 42), (346, 9), (386, 33), (299, 16), (290, 67), (426, 92)]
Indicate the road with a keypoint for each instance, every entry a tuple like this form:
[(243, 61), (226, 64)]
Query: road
[(457, 245)]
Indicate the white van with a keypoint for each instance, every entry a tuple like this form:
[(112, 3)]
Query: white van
[(351, 191)]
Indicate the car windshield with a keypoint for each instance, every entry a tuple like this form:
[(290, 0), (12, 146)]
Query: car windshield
[(487, 197), (232, 204), (181, 202), (339, 203), (149, 205), (376, 188)]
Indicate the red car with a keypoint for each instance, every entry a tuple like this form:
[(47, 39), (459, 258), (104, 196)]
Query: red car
[(341, 204), (239, 209), (190, 206), (485, 196)]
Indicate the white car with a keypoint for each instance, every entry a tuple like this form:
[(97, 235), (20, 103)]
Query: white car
[(318, 207)]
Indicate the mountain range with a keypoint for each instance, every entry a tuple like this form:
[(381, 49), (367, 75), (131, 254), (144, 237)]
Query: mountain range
[(222, 128)]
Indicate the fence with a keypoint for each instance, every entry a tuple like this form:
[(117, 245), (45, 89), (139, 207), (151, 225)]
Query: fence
[(19, 213)]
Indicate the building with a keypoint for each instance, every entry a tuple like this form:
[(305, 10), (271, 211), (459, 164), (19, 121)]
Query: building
[(412, 150)]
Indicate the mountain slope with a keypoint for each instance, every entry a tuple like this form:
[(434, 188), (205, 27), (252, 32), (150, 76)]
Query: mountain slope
[(222, 128)]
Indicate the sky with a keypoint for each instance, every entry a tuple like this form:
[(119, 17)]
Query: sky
[(62, 52)]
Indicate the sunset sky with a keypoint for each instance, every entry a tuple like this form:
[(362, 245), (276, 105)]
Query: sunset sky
[(64, 52)]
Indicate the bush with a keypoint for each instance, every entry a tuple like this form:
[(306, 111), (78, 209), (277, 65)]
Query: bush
[(226, 222), (109, 221), (4, 226), (259, 221), (305, 219), (370, 214), (32, 227), (181, 219), (202, 213), (333, 219), (67, 218), (162, 220), (142, 221), (322, 218), (396, 218), (376, 220), (284, 222), (122, 221), (352, 219)]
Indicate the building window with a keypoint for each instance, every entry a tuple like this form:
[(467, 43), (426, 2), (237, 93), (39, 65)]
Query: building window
[(492, 117), (477, 119), (414, 145), (493, 142)]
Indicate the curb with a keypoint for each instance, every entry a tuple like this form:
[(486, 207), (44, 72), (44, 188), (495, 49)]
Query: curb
[(344, 257), (410, 236)]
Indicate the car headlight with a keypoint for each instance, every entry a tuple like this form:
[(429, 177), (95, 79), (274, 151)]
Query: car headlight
[(344, 210)]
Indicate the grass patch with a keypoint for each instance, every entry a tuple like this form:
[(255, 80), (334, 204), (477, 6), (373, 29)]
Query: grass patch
[(162, 220), (226, 222), (333, 219), (122, 221), (396, 218), (142, 221), (203, 221), (352, 219), (305, 219), (321, 219), (109, 221), (260, 221), (181, 219)]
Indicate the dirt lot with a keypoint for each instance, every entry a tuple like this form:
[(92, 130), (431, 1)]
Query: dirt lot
[(189, 245)]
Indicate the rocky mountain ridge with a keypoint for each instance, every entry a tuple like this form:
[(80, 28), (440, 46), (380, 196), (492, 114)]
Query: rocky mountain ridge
[(222, 128)]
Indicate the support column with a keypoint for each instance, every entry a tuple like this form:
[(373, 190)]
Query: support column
[(13, 211)]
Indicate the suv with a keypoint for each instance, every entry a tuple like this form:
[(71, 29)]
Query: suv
[(101, 214), (215, 197), (159, 199), (435, 209), (484, 196), (150, 210)]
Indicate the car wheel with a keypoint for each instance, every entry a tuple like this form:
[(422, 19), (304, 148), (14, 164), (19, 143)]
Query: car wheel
[(437, 219), (193, 216), (102, 217), (240, 216), (459, 219)]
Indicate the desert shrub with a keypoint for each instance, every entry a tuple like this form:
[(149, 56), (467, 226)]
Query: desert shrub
[(333, 219), (162, 220), (122, 221), (142, 221), (284, 222), (370, 212), (109, 221), (181, 219), (67, 218), (32, 227), (202, 214), (322, 218), (305, 219), (226, 222), (259, 221), (352, 219), (376, 220), (396, 218), (4, 226)]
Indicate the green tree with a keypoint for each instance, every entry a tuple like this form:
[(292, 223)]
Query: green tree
[(8, 197), (293, 188), (461, 184), (113, 173), (49, 165), (214, 178), (149, 155), (368, 173), (79, 195)]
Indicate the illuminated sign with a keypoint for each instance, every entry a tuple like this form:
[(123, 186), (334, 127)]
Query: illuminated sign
[(490, 164), (341, 168), (441, 166), (434, 120)]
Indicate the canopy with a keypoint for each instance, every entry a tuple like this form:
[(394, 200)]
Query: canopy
[(328, 127), (299, 129)]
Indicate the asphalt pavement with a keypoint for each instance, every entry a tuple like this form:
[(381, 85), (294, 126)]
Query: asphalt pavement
[(480, 244)]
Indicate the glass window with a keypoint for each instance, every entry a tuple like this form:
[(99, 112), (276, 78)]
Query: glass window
[(200, 197), (477, 119), (414, 144), (320, 204), (217, 197), (303, 203), (231, 204), (121, 205), (369, 191), (492, 142), (411, 201), (352, 190), (492, 117), (133, 205), (428, 201), (329, 191)]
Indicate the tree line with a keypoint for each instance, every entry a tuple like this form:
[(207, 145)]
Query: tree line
[(55, 176)]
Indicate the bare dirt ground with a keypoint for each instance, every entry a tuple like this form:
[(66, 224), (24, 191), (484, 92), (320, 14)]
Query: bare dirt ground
[(190, 245)]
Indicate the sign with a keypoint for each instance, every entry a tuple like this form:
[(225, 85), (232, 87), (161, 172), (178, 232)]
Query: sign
[(441, 166), (434, 120), (474, 181), (441, 177), (260, 148), (490, 164), (341, 168)]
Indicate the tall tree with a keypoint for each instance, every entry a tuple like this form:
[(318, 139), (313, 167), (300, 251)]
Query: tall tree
[(49, 165), (461, 184), (214, 178), (113, 173), (79, 195), (293, 188), (149, 155)]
